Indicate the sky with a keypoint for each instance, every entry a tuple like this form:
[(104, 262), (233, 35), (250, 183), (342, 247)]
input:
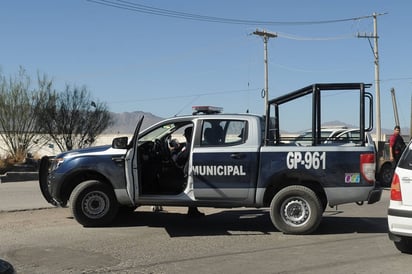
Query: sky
[(164, 57)]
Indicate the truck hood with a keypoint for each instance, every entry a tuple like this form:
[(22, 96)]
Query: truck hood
[(98, 150)]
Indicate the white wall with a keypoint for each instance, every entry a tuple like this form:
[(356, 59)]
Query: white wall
[(51, 149)]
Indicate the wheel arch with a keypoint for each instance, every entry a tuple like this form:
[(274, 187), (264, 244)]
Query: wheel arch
[(70, 182), (277, 184)]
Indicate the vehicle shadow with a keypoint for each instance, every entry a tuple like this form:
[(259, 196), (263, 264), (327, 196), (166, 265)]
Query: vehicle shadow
[(242, 222), (222, 223), (346, 225)]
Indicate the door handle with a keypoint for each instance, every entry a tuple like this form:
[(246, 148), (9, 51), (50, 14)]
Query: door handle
[(237, 155), (118, 159)]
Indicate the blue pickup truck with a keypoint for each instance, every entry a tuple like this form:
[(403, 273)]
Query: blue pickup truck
[(235, 160)]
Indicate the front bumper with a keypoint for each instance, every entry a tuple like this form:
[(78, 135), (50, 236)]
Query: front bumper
[(44, 180)]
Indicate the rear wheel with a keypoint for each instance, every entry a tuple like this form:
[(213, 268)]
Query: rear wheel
[(93, 203), (296, 210), (385, 175), (404, 245)]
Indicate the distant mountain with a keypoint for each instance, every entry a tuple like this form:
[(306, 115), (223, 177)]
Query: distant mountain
[(126, 122), (337, 124)]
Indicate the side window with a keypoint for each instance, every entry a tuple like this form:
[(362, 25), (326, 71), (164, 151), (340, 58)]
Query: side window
[(236, 133), (223, 132)]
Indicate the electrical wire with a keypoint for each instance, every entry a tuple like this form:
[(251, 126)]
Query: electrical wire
[(187, 96), (396, 79), (302, 38), (127, 5)]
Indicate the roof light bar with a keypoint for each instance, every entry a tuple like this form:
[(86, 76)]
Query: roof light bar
[(206, 110)]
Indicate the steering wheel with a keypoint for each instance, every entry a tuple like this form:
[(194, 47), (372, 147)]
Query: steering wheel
[(157, 147), (161, 148)]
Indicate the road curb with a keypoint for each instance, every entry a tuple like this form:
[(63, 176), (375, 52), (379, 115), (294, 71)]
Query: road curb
[(16, 176)]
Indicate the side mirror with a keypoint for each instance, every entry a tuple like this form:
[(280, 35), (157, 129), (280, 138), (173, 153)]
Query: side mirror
[(120, 142)]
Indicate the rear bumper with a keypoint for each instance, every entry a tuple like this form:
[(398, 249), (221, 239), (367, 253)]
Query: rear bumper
[(399, 224)]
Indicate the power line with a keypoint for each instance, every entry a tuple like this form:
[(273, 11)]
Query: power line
[(197, 95), (131, 6), (396, 79), (302, 38)]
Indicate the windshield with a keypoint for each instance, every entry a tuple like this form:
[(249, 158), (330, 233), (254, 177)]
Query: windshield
[(157, 133)]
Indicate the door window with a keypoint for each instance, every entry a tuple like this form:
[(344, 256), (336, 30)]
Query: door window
[(223, 132)]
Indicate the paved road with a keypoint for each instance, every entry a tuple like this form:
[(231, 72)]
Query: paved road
[(21, 196), (350, 239)]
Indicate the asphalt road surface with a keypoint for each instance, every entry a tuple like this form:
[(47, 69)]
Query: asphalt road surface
[(350, 239)]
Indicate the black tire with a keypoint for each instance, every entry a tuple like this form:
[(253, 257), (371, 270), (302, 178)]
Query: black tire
[(6, 267), (296, 210), (404, 245), (93, 203), (385, 175)]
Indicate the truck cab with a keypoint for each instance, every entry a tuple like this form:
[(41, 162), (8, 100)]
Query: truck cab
[(221, 165)]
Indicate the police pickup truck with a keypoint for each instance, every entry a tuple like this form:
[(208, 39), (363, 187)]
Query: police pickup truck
[(235, 160)]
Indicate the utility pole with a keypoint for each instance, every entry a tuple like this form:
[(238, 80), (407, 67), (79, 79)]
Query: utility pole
[(410, 122), (377, 81), (395, 107), (266, 35)]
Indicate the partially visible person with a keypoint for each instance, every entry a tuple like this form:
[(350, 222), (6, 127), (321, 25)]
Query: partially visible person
[(180, 155), (396, 145)]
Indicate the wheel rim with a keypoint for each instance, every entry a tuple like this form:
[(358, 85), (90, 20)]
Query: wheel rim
[(295, 211), (95, 204)]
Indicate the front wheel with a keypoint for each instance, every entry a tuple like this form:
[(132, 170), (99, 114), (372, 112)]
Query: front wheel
[(296, 210), (93, 203)]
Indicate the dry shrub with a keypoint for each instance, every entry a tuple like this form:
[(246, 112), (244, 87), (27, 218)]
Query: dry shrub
[(2, 164), (7, 162), (19, 157)]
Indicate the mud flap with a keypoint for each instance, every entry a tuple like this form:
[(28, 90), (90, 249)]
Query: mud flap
[(43, 173)]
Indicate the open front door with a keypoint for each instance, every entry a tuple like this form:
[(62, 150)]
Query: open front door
[(132, 165)]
